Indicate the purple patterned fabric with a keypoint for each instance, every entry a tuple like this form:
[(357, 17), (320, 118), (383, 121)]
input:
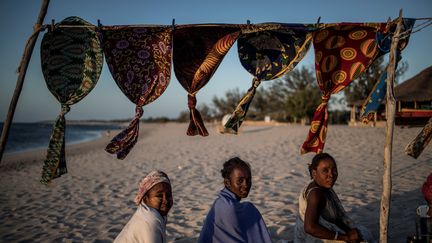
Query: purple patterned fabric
[(139, 59)]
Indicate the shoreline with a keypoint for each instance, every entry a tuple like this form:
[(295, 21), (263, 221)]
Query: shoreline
[(94, 200), (76, 132)]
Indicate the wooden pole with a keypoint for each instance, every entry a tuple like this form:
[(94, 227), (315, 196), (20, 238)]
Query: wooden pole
[(22, 72), (391, 110)]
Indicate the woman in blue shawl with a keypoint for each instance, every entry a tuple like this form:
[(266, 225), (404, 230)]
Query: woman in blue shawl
[(230, 220)]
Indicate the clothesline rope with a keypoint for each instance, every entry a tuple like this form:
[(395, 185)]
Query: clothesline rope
[(40, 28), (416, 28), (36, 29), (156, 25)]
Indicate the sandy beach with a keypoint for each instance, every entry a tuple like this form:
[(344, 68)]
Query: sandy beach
[(94, 200)]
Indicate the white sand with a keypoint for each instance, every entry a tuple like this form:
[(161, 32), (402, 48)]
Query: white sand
[(93, 201)]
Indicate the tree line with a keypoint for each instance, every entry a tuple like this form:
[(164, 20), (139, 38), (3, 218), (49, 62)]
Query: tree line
[(295, 96)]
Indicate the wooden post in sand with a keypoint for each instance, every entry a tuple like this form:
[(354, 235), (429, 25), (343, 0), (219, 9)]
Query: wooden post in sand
[(22, 69), (390, 114)]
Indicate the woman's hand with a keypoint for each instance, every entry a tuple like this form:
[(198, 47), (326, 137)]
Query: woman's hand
[(351, 236)]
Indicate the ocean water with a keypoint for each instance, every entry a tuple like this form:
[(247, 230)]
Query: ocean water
[(31, 136)]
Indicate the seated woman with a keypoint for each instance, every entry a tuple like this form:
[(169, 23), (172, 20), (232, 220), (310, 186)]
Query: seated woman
[(321, 216), (154, 200), (230, 220)]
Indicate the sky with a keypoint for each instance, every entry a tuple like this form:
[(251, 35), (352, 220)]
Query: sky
[(106, 101)]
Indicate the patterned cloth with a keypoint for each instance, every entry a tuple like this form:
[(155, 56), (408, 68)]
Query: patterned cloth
[(198, 51), (374, 100), (416, 146), (342, 52), (267, 51), (71, 59), (378, 92), (151, 179), (139, 59)]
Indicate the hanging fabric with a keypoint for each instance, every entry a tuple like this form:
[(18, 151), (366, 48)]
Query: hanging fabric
[(139, 59), (375, 98), (198, 51), (378, 92), (71, 59), (342, 52), (419, 143), (267, 51)]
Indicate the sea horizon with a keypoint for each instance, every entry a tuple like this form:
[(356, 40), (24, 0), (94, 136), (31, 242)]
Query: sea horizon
[(28, 136)]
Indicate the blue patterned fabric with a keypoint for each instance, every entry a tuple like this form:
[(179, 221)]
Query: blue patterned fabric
[(372, 103), (378, 93)]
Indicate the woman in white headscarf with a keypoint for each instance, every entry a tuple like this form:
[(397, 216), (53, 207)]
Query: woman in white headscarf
[(154, 200)]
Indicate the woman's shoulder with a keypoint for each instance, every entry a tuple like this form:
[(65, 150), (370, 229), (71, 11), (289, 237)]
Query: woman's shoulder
[(314, 190)]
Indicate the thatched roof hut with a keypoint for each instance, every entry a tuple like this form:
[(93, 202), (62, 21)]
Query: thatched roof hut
[(417, 88)]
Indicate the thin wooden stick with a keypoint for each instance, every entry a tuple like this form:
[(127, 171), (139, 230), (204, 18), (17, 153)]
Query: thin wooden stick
[(390, 113), (22, 72)]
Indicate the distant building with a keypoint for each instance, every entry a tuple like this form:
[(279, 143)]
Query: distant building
[(413, 102), (414, 99)]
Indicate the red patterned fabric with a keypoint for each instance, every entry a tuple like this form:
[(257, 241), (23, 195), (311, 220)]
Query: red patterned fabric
[(198, 50), (427, 189), (139, 59), (342, 52)]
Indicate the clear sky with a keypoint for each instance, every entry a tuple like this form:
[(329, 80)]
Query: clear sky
[(106, 101)]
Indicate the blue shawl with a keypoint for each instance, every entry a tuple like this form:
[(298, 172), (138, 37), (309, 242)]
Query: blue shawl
[(230, 220)]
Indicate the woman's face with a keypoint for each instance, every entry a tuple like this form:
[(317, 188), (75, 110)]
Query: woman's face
[(240, 182), (326, 173), (160, 198)]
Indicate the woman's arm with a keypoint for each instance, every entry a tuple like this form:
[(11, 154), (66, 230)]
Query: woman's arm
[(316, 202)]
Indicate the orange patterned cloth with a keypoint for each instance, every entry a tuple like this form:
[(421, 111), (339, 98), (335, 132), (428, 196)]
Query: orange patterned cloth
[(198, 50), (342, 52)]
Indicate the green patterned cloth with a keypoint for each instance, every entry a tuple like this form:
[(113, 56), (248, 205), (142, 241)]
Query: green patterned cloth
[(71, 59)]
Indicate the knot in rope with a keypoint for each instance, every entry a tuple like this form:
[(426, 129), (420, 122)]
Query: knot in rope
[(325, 99), (37, 27), (256, 82), (191, 101), (139, 111), (64, 109)]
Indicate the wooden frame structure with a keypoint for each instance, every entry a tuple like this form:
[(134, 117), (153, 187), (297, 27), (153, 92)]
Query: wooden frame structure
[(390, 109)]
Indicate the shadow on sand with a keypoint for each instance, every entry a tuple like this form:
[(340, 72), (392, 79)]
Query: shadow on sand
[(402, 219)]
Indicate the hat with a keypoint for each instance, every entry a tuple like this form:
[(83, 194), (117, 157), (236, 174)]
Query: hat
[(148, 182)]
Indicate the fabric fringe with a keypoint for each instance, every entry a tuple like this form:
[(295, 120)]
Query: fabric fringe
[(233, 124), (196, 124), (55, 162), (123, 143)]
